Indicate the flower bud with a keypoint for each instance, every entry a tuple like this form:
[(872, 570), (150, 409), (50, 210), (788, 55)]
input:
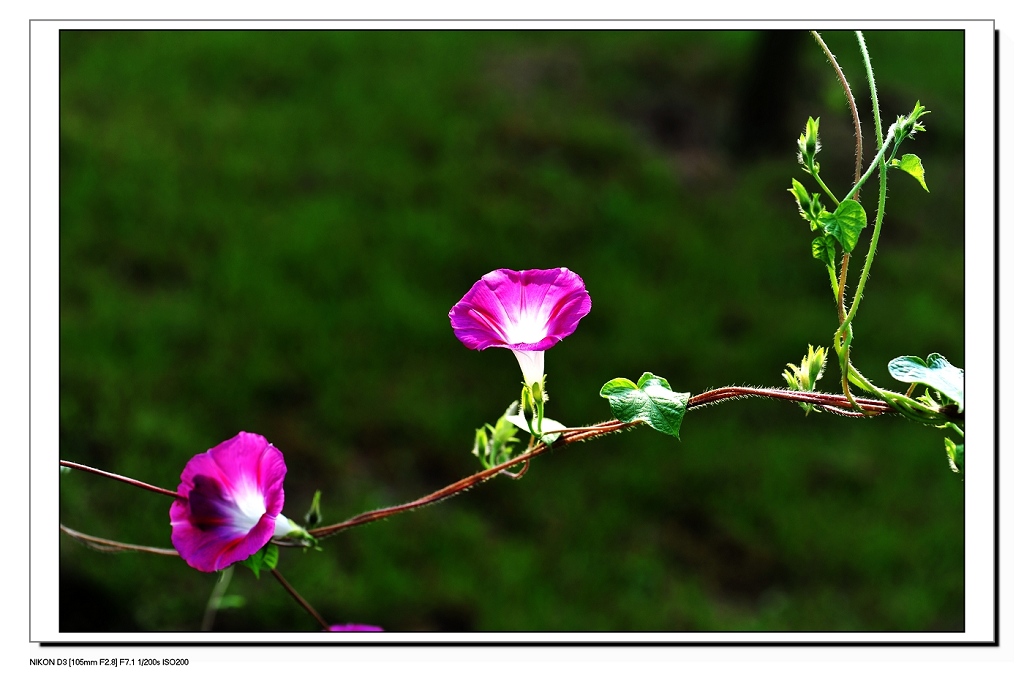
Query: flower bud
[(809, 146)]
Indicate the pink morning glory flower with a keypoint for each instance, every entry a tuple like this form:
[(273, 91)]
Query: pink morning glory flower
[(355, 627), (526, 311), (229, 504)]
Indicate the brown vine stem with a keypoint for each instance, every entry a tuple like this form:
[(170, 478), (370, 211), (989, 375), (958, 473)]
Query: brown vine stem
[(833, 403), (298, 597), (836, 404), (858, 137), (123, 479), (105, 545)]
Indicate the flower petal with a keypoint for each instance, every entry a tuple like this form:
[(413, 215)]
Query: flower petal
[(532, 364), (231, 496), (529, 310)]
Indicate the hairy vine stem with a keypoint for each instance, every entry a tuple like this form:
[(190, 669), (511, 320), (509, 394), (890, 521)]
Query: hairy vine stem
[(123, 479), (832, 403), (859, 160), (835, 404)]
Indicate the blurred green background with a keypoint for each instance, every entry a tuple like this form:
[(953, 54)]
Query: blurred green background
[(265, 231)]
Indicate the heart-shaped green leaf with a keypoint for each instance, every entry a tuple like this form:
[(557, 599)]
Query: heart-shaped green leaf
[(651, 400), (845, 223), (935, 372)]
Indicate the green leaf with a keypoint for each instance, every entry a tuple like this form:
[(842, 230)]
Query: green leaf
[(803, 199), (845, 223), (494, 445), (651, 400), (824, 248), (809, 206), (270, 554), (955, 454), (546, 425), (935, 372), (265, 558), (504, 431), (911, 163)]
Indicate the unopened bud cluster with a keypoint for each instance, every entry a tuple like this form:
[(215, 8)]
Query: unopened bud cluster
[(803, 378)]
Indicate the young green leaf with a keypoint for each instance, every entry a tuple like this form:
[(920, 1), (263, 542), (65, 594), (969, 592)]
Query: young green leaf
[(803, 378), (265, 558), (935, 371), (494, 445), (911, 163), (651, 400), (845, 223), (824, 248), (808, 205)]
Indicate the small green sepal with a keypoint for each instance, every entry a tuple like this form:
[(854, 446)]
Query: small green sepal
[(537, 392), (955, 455)]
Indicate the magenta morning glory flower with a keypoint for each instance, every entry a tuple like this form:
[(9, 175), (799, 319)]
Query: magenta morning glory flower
[(526, 311), (230, 501), (355, 627)]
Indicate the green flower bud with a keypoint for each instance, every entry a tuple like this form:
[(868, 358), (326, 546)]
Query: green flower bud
[(481, 444), (809, 205), (906, 126), (803, 199), (802, 378), (313, 516), (809, 146), (815, 364), (538, 392)]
